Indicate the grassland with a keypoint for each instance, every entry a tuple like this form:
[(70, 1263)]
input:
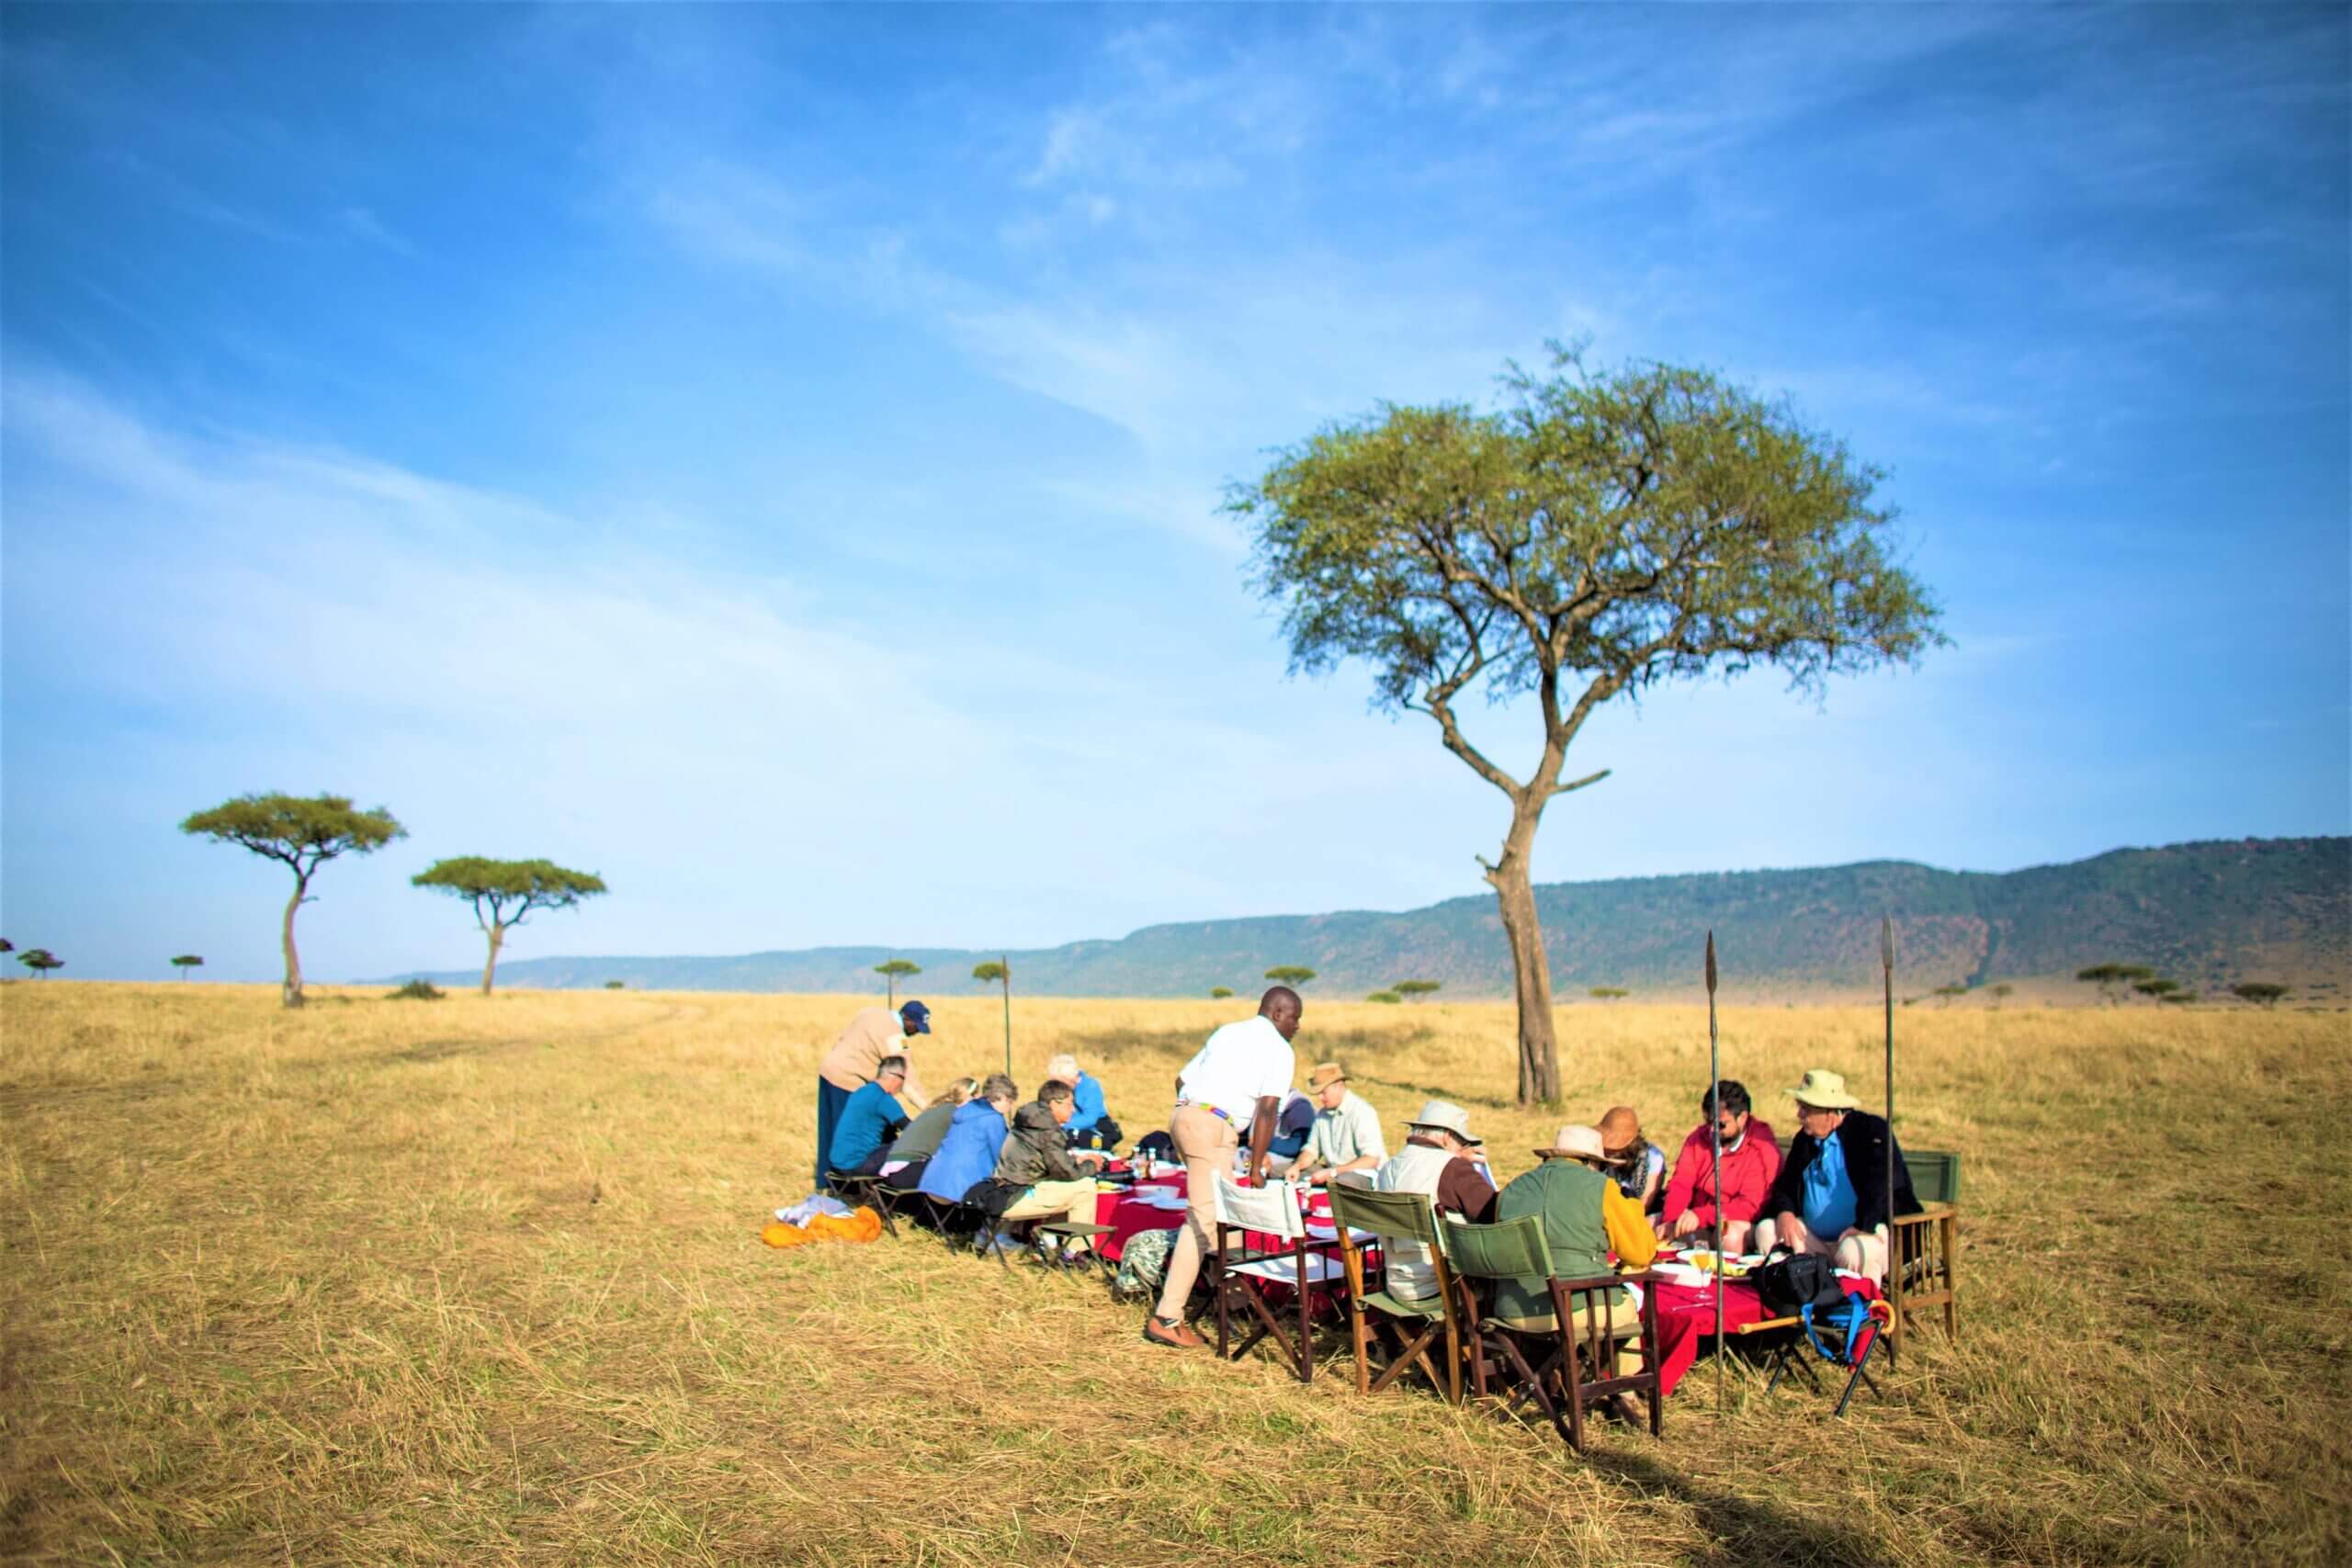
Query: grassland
[(477, 1281)]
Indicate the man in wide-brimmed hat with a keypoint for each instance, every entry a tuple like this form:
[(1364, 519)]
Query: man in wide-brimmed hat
[(1441, 1158), (1830, 1197), (1585, 1218), (1346, 1134)]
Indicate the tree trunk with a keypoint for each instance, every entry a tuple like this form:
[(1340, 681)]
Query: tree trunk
[(497, 936), (292, 993), (1539, 1052)]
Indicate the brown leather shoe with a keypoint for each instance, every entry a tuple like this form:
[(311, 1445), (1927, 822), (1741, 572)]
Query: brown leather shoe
[(1174, 1335)]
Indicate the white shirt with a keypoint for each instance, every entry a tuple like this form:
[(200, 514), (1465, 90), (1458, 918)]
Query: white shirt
[(1241, 1064)]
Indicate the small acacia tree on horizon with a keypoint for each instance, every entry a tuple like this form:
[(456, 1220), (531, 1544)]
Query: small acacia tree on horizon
[(1415, 989), (304, 833), (186, 962), (1603, 533), (2106, 976), (1219, 993), (1607, 993), (503, 892), (41, 961), (1290, 974), (2260, 992), (1000, 971), (892, 970)]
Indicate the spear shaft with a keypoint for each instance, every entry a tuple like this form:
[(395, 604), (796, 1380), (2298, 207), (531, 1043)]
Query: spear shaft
[(1894, 1273), (1715, 1132)]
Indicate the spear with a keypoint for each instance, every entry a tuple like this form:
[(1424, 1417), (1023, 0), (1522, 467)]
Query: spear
[(1894, 1274), (1005, 965), (1716, 1131)]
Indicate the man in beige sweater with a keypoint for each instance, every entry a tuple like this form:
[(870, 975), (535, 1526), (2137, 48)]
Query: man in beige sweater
[(874, 1033)]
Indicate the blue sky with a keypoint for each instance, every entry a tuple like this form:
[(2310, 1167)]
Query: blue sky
[(771, 456)]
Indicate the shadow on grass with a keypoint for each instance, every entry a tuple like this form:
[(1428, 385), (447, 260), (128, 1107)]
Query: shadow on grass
[(1743, 1529)]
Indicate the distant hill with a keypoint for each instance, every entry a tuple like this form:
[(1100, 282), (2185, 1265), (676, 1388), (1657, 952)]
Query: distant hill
[(2207, 914)]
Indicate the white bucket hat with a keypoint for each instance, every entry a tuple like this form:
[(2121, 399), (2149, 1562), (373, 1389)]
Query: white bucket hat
[(1446, 1116)]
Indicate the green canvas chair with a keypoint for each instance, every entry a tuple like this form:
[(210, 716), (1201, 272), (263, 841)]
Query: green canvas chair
[(1925, 1271), (1410, 1326), (1557, 1377)]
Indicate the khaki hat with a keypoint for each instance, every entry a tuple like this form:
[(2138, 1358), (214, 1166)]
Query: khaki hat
[(1447, 1117), (1824, 1090), (1576, 1142), (1325, 1074)]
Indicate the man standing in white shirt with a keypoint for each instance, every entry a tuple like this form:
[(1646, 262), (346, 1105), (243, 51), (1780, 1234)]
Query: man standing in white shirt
[(1243, 1071)]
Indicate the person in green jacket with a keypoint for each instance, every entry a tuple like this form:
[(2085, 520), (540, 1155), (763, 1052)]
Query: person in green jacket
[(1586, 1216)]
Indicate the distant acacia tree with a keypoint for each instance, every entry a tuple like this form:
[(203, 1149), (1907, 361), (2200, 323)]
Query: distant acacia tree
[(304, 832), (616, 985), (1948, 992), (503, 892), (1219, 993), (2155, 988), (2002, 993), (2177, 994), (1602, 534), (2258, 991), (1383, 997), (6, 946), (1290, 974), (1000, 971), (41, 961), (1608, 993), (1417, 987), (2106, 976), (186, 962), (892, 971)]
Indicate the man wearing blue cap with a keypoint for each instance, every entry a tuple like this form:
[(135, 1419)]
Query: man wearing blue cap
[(853, 1061)]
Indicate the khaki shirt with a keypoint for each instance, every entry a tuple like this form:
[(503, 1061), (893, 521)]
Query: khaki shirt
[(1348, 1131), (874, 1033)]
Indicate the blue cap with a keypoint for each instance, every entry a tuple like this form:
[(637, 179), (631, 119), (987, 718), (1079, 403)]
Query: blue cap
[(917, 1017)]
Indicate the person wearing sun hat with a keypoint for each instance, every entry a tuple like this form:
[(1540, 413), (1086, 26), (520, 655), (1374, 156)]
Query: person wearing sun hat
[(1346, 1132), (849, 1065), (1830, 1197), (1441, 1158), (1585, 1217)]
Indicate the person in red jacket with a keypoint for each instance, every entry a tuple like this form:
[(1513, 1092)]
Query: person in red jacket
[(1694, 1201)]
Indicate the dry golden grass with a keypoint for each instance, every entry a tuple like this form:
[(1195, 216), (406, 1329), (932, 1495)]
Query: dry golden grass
[(477, 1280)]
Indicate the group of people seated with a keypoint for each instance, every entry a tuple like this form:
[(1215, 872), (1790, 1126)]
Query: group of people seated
[(1602, 1191)]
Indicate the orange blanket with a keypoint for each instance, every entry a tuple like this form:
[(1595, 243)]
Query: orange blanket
[(860, 1225)]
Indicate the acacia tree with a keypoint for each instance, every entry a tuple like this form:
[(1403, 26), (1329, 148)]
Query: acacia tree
[(2259, 992), (1599, 534), (305, 833), (1417, 987), (892, 970), (186, 962), (41, 961), (505, 891), (1290, 974), (1000, 971)]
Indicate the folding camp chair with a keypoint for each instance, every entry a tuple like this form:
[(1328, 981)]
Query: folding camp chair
[(1794, 1348), (1574, 1366), (1236, 1275), (1923, 1268), (858, 1192), (1411, 1323)]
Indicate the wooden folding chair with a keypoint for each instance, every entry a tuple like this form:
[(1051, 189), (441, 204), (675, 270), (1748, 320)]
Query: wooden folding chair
[(1923, 1263), (1571, 1369), (1237, 1275), (1411, 1324)]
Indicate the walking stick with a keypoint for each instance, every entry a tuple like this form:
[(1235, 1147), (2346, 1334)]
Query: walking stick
[(1716, 1131), (1894, 1266)]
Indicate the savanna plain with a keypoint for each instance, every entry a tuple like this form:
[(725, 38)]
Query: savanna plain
[(479, 1280)]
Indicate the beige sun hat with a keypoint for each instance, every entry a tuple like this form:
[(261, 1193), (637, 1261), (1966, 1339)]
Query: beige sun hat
[(1576, 1142), (1325, 1074), (1824, 1090), (1447, 1117)]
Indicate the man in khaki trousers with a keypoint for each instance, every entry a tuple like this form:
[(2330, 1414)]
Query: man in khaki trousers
[(1243, 1071)]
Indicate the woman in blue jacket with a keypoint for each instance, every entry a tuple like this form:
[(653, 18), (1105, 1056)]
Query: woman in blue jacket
[(974, 1143)]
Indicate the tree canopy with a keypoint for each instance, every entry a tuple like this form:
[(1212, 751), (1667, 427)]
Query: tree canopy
[(2260, 992), (1417, 987), (989, 972), (1602, 533), (1290, 974), (41, 961), (1219, 993), (503, 892), (186, 962), (892, 970), (303, 833)]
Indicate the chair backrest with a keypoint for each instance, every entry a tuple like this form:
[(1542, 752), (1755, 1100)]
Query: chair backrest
[(1273, 1210), (1403, 1216), (1512, 1250), (1935, 1174)]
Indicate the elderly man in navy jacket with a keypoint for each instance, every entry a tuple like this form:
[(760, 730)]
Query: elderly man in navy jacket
[(1830, 1197)]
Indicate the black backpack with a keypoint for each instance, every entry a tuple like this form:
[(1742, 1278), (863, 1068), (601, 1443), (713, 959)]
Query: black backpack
[(1788, 1283)]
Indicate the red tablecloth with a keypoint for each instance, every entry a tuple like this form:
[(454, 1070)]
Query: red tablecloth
[(1685, 1320), (1128, 1215)]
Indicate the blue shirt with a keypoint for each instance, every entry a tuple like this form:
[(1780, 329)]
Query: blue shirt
[(864, 1126), (1087, 1095), (975, 1139), (1828, 1192)]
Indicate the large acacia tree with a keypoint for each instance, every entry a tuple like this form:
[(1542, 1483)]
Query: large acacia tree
[(503, 891), (304, 832), (1596, 534)]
